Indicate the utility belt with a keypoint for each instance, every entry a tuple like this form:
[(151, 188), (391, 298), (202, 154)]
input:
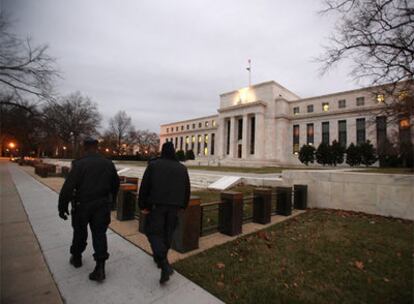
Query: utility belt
[(77, 203)]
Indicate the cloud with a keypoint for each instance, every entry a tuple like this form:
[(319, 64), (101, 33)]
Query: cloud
[(163, 61)]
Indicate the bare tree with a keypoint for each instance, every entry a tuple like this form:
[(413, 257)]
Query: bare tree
[(148, 142), (377, 36), (71, 118), (24, 69), (120, 126)]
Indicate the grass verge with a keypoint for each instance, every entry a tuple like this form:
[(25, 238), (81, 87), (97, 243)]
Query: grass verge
[(321, 256)]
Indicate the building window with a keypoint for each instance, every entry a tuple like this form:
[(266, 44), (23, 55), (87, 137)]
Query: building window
[(188, 127), (341, 103), (360, 101), (239, 128), (325, 106), (296, 139), (380, 98), (199, 145), (192, 142), (206, 123), (295, 110), (252, 133), (309, 134), (214, 123), (181, 143), (325, 132), (187, 142), (342, 133), (381, 124), (200, 125), (404, 130), (212, 143), (360, 130), (176, 142), (171, 139), (228, 138), (182, 128), (176, 129), (193, 126), (167, 130), (205, 144), (310, 108)]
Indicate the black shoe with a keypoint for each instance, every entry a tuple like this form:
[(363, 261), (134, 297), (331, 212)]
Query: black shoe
[(76, 261), (99, 272), (166, 272)]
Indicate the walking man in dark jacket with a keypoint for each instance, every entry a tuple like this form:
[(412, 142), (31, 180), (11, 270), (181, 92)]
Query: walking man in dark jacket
[(92, 185), (164, 190)]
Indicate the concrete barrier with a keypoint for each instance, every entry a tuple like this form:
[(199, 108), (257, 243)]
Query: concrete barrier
[(374, 193)]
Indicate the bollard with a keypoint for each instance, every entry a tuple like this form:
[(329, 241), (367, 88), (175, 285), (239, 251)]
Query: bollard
[(65, 171), (231, 213), (121, 194), (126, 206), (262, 205), (284, 200), (131, 180), (300, 197), (187, 233)]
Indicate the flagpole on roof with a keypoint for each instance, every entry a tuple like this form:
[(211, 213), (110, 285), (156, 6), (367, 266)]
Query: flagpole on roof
[(249, 68)]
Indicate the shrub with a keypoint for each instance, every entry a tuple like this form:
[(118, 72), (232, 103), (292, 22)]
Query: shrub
[(337, 153), (189, 155), (406, 154), (307, 154), (353, 156), (180, 155), (323, 154), (388, 155), (367, 152)]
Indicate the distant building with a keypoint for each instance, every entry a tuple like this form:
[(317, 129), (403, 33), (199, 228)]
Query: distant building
[(266, 124)]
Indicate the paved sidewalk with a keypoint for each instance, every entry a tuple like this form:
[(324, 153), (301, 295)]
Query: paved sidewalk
[(24, 275), (131, 274)]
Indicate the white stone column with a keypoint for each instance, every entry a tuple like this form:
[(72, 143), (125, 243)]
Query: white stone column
[(245, 136), (220, 138), (233, 147), (260, 136)]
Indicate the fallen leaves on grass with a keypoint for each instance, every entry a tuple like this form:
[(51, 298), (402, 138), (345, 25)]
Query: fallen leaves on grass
[(220, 265), (263, 235), (220, 284), (359, 265), (386, 280)]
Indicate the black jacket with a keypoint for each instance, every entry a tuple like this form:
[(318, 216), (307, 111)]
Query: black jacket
[(91, 177), (165, 182)]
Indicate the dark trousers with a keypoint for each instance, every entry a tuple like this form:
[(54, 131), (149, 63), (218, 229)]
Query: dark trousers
[(97, 215), (159, 228)]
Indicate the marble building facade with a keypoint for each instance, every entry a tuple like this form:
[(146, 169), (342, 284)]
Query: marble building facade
[(266, 124)]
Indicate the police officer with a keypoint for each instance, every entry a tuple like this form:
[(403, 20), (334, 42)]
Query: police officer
[(92, 185), (164, 190)]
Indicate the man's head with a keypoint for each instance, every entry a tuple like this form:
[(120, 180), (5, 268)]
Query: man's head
[(168, 151), (90, 144)]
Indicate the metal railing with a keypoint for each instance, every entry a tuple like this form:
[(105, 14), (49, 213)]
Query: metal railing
[(248, 208), (209, 218)]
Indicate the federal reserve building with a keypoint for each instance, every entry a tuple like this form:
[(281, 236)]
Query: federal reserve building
[(266, 124)]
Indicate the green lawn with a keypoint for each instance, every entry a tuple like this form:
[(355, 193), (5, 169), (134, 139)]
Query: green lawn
[(388, 170), (249, 170), (320, 256)]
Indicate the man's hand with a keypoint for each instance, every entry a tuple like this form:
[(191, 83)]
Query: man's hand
[(145, 211), (63, 213)]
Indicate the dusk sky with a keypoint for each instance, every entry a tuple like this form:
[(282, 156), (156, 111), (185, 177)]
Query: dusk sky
[(163, 61)]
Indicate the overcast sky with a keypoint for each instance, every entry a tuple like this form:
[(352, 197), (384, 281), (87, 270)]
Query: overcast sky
[(163, 61)]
